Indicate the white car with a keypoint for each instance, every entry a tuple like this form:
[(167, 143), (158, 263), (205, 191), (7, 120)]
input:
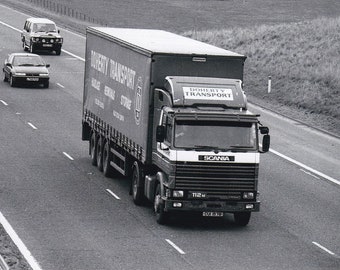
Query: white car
[(41, 34)]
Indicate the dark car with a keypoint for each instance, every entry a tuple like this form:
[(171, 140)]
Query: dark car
[(25, 69), (41, 34)]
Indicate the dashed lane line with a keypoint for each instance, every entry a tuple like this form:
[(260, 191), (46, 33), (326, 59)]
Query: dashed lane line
[(175, 246), (31, 125), (324, 249), (68, 156), (112, 193), (3, 102), (60, 85)]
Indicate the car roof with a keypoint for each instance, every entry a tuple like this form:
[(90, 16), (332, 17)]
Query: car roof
[(24, 54), (40, 20)]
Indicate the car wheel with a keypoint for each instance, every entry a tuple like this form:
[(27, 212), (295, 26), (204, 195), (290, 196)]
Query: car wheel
[(158, 205), (24, 46), (5, 77), (46, 84), (58, 51), (11, 81), (31, 48), (137, 184), (242, 218)]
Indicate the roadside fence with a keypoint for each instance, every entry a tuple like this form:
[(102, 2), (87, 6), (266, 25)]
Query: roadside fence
[(65, 10)]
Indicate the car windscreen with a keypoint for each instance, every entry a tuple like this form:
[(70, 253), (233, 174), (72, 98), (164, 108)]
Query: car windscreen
[(27, 61), (44, 27)]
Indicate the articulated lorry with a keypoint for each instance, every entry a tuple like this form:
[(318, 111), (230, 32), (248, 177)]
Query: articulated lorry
[(170, 113)]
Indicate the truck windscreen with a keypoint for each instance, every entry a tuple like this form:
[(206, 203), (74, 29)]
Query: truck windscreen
[(215, 135)]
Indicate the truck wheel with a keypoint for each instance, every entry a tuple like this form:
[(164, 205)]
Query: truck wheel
[(242, 218), (99, 149), (137, 184), (93, 149), (107, 156), (161, 215)]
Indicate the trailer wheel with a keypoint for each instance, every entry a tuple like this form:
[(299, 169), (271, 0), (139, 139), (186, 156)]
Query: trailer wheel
[(99, 154), (242, 218), (161, 215), (93, 149), (137, 184), (107, 156)]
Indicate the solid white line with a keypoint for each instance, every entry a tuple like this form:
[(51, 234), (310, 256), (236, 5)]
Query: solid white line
[(60, 85), (114, 195), (3, 102), (75, 56), (10, 26), (323, 248), (67, 155), (175, 247), (31, 125), (17, 241), (306, 167)]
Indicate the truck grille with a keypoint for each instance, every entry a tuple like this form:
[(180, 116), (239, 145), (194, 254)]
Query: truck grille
[(220, 180)]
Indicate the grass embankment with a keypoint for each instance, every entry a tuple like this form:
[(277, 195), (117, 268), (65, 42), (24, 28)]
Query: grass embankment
[(303, 60)]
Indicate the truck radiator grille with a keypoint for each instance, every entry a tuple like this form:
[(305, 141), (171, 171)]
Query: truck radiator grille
[(217, 179)]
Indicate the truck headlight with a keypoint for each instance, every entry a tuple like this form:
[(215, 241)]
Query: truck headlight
[(248, 195), (178, 193)]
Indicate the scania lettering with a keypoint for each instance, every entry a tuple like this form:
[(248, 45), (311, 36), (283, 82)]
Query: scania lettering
[(170, 113)]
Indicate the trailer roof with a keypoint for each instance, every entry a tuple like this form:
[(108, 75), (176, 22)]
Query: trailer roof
[(160, 41)]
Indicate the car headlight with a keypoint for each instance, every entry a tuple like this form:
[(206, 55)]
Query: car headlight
[(19, 74), (43, 74), (35, 39), (51, 40)]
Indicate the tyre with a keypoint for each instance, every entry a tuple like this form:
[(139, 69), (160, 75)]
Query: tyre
[(161, 215), (5, 77), (24, 46), (99, 150), (242, 218), (11, 81), (137, 184), (58, 52), (93, 149), (46, 84), (107, 157), (32, 50)]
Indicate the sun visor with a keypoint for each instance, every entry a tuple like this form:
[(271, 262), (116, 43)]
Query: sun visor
[(196, 91)]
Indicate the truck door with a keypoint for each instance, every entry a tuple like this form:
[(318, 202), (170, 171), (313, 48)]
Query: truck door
[(164, 148)]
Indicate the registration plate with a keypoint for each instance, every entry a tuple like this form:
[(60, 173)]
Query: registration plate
[(47, 45), (32, 79), (212, 214)]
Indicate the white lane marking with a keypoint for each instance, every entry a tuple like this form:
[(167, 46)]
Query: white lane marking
[(18, 242), (10, 26), (307, 172), (31, 125), (323, 248), (68, 156), (114, 195), (60, 85), (306, 167), (3, 102), (75, 56), (175, 247)]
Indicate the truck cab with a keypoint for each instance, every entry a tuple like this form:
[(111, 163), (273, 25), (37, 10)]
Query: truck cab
[(207, 149)]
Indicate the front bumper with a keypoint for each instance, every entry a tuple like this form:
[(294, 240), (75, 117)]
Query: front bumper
[(30, 79), (47, 46), (212, 206)]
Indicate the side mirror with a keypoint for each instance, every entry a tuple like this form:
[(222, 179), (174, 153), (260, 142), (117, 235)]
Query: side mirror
[(160, 133), (58, 31), (8, 65), (48, 65), (264, 130), (265, 143)]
